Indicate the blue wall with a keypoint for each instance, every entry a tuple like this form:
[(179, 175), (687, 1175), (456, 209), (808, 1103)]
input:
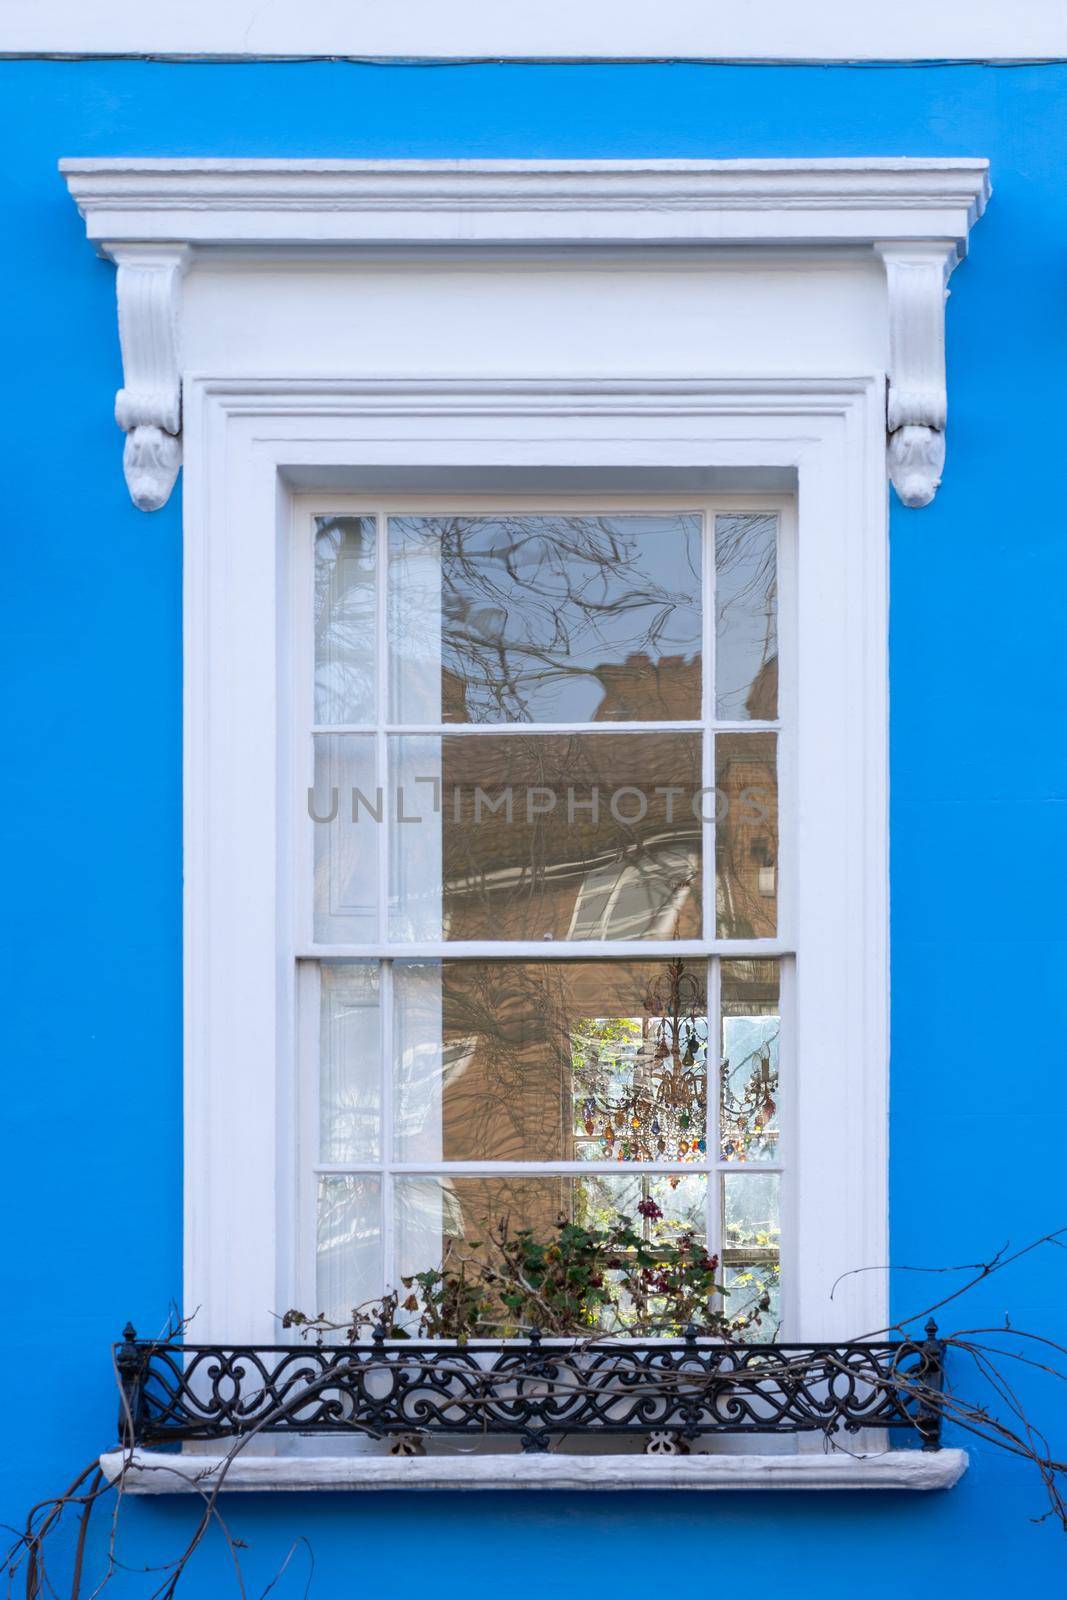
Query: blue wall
[(91, 809)]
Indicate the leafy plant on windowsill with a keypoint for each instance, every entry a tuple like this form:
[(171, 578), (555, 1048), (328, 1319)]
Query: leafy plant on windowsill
[(582, 1281)]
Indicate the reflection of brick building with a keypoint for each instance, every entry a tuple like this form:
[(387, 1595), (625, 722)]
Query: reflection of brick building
[(560, 871), (532, 847), (746, 836), (642, 690), (556, 836)]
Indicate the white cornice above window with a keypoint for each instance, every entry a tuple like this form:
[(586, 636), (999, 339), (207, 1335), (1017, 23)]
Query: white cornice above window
[(153, 217)]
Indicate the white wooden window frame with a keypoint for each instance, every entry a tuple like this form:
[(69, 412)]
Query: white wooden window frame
[(243, 444), (310, 953)]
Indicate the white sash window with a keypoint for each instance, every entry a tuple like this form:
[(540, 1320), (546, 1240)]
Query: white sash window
[(543, 944)]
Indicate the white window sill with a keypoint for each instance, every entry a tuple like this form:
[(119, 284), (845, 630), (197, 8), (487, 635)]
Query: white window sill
[(154, 1472)]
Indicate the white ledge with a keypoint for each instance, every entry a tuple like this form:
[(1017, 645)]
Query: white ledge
[(154, 1472), (255, 202)]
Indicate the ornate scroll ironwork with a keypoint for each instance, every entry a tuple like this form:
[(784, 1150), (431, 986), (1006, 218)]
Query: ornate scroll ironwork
[(536, 1389)]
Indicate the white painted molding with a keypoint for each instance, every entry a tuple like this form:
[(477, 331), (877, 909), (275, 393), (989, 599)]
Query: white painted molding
[(154, 1472), (148, 215), (260, 203), (917, 398), (148, 406)]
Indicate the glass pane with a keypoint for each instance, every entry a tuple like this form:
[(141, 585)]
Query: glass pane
[(435, 1214), (746, 835), (348, 1257), (746, 617), (346, 809), (551, 1061), (748, 1080), (349, 1078), (344, 619), (545, 618), (416, 904), (562, 836), (751, 1249)]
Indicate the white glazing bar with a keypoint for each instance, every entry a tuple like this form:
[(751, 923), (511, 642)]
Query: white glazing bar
[(752, 725), (385, 971), (786, 556), (787, 1121), (530, 729), (303, 634), (385, 1001), (309, 1134), (306, 1141), (533, 1169), (707, 754), (381, 746), (712, 1135), (547, 950), (707, 779)]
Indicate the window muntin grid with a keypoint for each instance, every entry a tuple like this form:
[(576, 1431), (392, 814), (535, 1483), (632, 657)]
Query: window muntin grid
[(736, 924)]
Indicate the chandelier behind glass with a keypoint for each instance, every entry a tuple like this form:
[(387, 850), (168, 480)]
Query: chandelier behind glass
[(640, 1083)]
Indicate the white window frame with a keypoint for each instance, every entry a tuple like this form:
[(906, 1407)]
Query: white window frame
[(243, 445), (298, 654)]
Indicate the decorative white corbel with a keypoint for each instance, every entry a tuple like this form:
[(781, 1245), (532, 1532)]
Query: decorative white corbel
[(917, 401), (148, 407), (146, 212)]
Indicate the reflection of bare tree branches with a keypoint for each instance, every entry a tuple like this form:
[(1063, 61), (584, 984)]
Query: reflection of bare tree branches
[(529, 603), (746, 615)]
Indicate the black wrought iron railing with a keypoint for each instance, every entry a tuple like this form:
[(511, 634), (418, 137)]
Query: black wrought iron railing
[(535, 1389)]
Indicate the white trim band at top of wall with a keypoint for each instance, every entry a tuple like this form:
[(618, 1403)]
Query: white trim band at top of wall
[(156, 1472), (832, 30)]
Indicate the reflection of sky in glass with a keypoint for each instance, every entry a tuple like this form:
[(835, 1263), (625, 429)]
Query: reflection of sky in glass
[(545, 618), (345, 604)]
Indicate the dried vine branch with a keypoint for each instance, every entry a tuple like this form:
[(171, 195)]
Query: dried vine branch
[(33, 1562)]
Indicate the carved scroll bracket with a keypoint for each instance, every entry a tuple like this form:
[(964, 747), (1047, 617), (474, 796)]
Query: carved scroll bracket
[(148, 406), (917, 282)]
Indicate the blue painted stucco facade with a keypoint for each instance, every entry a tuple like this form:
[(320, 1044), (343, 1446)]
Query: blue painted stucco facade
[(91, 804)]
